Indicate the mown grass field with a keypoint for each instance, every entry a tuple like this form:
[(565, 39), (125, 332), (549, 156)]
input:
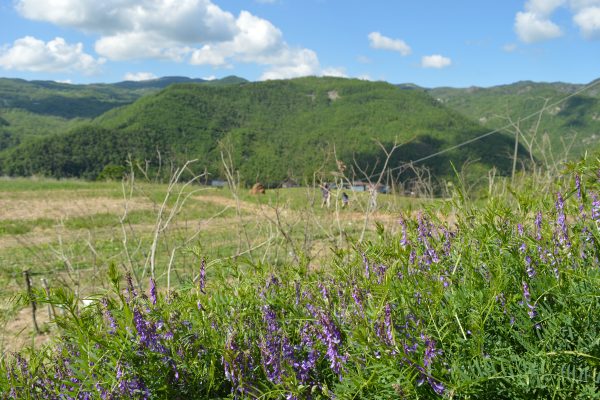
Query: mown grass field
[(69, 232)]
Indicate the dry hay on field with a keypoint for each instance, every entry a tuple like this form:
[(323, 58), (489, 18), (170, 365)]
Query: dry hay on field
[(30, 209), (258, 188)]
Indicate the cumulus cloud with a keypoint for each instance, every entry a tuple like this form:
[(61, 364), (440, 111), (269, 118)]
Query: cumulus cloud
[(196, 31), (532, 27), (378, 41), (139, 76), (258, 41), (31, 54), (292, 64), (435, 61), (588, 21), (534, 23)]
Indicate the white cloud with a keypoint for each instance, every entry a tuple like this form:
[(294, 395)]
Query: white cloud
[(378, 41), (292, 64), (183, 21), (338, 72), (435, 61), (196, 31), (139, 76), (588, 21), (543, 8), (532, 27), (258, 41), (209, 78), (31, 54), (534, 23)]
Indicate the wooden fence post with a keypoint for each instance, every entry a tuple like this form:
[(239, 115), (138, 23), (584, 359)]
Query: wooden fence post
[(30, 294)]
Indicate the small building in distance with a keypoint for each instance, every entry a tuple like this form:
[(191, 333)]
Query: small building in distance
[(218, 183)]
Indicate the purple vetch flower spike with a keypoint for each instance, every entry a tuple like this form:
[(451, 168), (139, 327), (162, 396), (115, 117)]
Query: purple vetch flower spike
[(529, 267), (437, 386), (202, 282), (324, 292), (526, 293), (271, 346), (331, 337), (532, 313), (356, 295), (561, 221), (152, 291), (520, 229), (447, 241), (404, 240), (131, 292), (578, 185), (538, 226), (109, 317), (366, 264), (389, 326), (595, 208)]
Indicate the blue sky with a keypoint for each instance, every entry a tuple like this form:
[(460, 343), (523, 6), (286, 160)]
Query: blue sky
[(430, 43)]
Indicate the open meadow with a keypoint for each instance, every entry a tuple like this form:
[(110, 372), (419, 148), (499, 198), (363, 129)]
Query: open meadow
[(66, 234), (187, 291)]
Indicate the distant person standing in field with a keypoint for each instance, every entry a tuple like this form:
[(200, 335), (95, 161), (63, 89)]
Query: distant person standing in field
[(372, 197), (326, 193), (345, 200)]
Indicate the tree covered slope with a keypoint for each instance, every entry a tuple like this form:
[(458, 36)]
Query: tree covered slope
[(273, 130), (573, 123)]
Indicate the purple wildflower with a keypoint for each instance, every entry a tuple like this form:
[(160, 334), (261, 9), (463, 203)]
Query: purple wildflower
[(271, 345), (131, 292), (366, 264), (563, 236), (532, 313), (595, 208), (404, 240), (152, 291), (520, 229), (202, 282), (389, 327), (330, 336), (529, 267), (109, 317), (356, 295), (538, 225), (436, 386)]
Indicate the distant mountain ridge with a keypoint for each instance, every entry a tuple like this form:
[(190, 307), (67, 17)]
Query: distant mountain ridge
[(186, 118), (274, 130), (572, 124)]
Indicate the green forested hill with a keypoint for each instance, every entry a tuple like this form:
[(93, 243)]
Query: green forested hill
[(575, 121), (37, 108), (275, 130)]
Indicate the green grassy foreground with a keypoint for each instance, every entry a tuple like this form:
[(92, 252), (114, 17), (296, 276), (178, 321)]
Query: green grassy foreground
[(500, 304)]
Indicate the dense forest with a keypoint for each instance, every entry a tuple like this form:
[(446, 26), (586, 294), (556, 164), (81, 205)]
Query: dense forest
[(273, 130)]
